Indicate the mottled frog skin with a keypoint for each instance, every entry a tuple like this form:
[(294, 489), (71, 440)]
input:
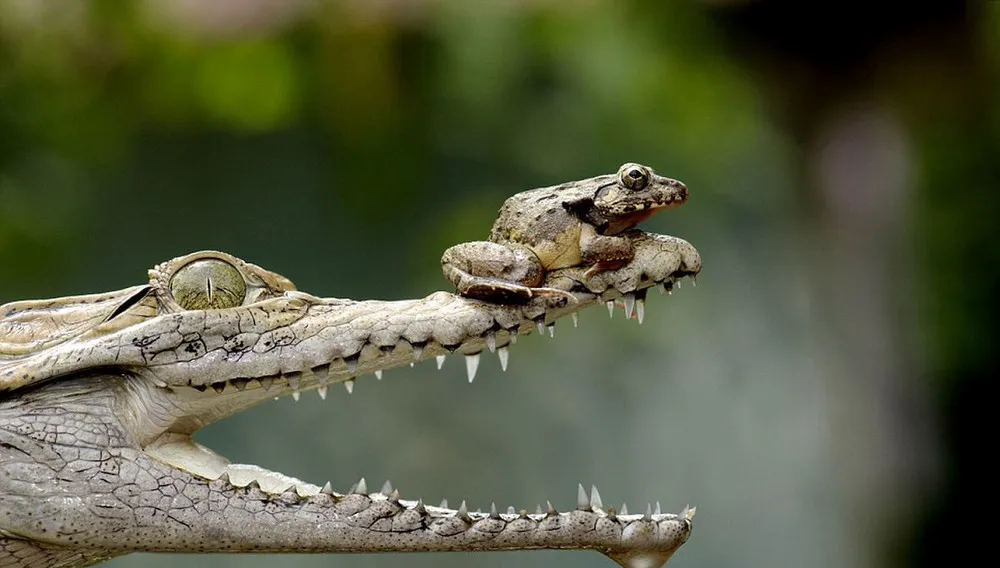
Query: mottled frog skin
[(571, 224)]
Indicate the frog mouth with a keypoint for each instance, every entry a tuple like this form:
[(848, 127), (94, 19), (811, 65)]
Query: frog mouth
[(634, 214)]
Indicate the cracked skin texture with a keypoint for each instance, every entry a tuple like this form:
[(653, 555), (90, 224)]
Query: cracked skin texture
[(99, 394)]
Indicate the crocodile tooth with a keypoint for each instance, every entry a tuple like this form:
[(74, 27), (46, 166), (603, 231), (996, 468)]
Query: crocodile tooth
[(352, 364), (219, 387), (511, 511), (349, 385), (624, 510), (649, 513), (419, 507), (493, 511), (378, 374), (418, 351), (240, 384), (538, 509), (322, 373), (491, 341), (552, 330), (293, 379), (640, 310), (266, 382), (386, 488), (595, 498), (541, 326), (296, 395), (611, 308), (522, 513), (582, 502), (656, 511), (688, 512), (504, 355), (694, 281), (440, 361), (471, 365), (463, 513), (360, 488), (444, 504), (576, 319), (550, 511), (662, 287), (629, 300), (512, 332), (322, 392), (393, 496), (678, 284), (327, 489)]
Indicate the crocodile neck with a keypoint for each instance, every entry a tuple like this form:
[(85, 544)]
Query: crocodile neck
[(96, 458)]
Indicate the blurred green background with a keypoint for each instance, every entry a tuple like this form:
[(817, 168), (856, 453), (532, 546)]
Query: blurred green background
[(819, 396)]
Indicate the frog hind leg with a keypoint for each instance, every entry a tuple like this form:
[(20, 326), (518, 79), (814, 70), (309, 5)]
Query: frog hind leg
[(496, 272)]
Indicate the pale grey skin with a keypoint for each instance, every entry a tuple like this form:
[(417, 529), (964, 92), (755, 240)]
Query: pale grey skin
[(100, 394), (578, 223)]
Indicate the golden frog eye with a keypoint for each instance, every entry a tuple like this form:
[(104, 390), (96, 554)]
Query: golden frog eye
[(634, 177), (208, 284)]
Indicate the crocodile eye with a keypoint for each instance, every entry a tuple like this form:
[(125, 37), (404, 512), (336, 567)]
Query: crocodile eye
[(208, 284), (634, 177)]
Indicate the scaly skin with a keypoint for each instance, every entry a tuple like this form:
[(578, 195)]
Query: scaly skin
[(99, 396)]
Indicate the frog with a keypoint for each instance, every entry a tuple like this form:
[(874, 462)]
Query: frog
[(574, 224)]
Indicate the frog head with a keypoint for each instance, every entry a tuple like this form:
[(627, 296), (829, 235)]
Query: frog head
[(621, 201)]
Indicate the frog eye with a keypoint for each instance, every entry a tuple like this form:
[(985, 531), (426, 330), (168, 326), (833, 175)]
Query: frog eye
[(634, 177), (208, 284)]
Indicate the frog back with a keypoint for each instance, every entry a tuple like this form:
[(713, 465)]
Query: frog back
[(538, 220)]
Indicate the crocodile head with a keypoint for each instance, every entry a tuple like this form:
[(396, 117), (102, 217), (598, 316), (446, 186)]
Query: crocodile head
[(135, 372)]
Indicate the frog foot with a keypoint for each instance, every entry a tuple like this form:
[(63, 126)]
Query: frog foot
[(504, 292)]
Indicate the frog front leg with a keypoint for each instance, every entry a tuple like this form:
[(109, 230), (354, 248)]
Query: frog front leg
[(503, 273), (603, 252)]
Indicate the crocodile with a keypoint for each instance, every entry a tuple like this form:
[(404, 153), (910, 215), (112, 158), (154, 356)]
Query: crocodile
[(100, 395)]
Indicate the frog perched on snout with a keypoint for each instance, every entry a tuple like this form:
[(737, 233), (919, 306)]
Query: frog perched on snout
[(573, 224)]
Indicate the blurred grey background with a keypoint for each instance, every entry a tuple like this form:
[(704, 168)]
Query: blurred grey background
[(820, 394)]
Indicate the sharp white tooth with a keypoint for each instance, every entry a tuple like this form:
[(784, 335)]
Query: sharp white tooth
[(649, 513), (582, 502), (266, 382), (411, 364), (512, 336), (293, 380), (322, 392), (624, 509), (576, 319), (386, 488), (327, 489), (552, 330), (541, 326), (511, 510), (678, 284), (349, 385), (656, 511), (491, 341), (296, 396), (694, 282), (444, 504), (662, 287), (471, 365), (378, 374), (361, 488), (440, 361), (493, 511), (629, 300), (418, 352), (595, 498), (504, 354), (611, 308), (640, 310)]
